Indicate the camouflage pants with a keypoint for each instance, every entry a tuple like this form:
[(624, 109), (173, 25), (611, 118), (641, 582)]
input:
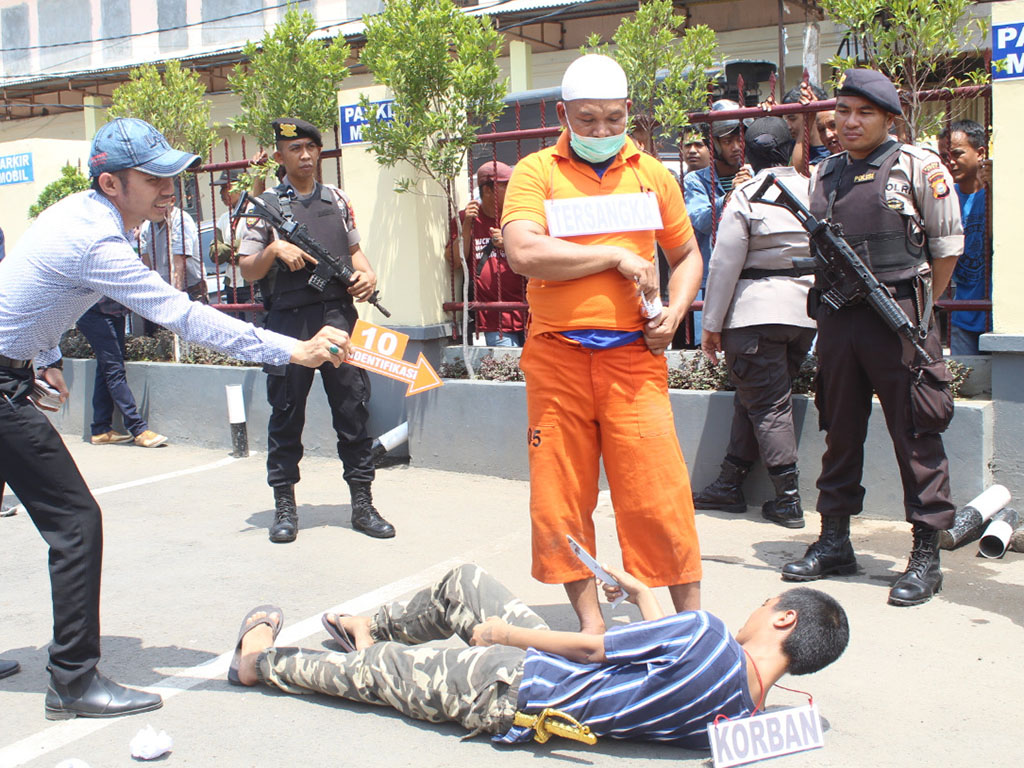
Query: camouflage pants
[(476, 687)]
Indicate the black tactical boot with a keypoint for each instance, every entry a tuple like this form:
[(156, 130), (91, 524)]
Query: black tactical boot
[(785, 509), (922, 579), (365, 518), (286, 518), (726, 493), (831, 554)]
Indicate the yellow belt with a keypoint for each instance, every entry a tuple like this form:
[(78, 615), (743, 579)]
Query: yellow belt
[(551, 722)]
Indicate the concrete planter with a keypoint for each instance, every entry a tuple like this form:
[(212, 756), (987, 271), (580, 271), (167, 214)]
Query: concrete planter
[(188, 404), (480, 427)]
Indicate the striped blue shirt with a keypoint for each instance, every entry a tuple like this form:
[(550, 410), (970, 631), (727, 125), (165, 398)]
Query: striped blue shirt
[(77, 252), (663, 680)]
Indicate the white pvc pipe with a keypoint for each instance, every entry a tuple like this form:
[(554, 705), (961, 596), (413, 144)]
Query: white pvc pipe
[(969, 521), (996, 539), (236, 418), (236, 404), (395, 437)]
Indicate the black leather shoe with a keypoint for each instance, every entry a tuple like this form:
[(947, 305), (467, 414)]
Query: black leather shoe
[(831, 555), (785, 509), (286, 517), (922, 580), (726, 493), (8, 667), (365, 517), (96, 696)]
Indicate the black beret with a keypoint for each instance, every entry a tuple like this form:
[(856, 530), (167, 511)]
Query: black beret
[(287, 128), (768, 133), (872, 85)]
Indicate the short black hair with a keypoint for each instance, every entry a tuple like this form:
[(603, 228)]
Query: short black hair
[(793, 94), (821, 634), (975, 132), (121, 174)]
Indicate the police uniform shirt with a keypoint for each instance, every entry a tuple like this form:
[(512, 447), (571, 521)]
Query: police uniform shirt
[(919, 186), (255, 234), (758, 236)]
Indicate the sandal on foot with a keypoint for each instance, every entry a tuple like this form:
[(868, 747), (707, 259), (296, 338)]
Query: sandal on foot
[(247, 625), (338, 633)]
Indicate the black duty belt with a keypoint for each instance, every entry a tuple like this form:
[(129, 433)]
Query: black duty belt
[(8, 362), (757, 274)]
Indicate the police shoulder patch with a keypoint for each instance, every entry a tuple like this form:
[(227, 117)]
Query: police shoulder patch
[(895, 203), (940, 188), (933, 166)]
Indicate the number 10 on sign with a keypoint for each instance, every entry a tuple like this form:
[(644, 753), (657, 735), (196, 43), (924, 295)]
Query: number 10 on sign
[(379, 349)]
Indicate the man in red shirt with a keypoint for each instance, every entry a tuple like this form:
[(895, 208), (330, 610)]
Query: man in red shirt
[(484, 250)]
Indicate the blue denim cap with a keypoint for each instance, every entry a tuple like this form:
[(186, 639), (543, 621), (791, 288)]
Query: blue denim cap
[(131, 143)]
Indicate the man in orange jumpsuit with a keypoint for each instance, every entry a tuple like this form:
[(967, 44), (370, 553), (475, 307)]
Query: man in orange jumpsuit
[(580, 221)]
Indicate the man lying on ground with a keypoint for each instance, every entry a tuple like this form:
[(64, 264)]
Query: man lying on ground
[(661, 679)]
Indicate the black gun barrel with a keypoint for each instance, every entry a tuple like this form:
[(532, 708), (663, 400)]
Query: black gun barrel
[(834, 254), (297, 234)]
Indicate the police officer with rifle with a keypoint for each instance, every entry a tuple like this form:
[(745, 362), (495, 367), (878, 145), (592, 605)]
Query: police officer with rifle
[(303, 291), (893, 205)]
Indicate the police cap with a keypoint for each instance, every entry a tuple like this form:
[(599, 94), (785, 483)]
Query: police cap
[(872, 85), (288, 128)]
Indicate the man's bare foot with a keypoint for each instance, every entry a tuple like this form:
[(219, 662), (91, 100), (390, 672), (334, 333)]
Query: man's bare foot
[(357, 627), (254, 642)]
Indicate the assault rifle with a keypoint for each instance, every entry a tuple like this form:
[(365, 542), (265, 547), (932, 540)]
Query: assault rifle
[(296, 233), (847, 279)]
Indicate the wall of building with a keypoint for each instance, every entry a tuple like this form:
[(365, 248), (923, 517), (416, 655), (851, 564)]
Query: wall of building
[(45, 36), (48, 156)]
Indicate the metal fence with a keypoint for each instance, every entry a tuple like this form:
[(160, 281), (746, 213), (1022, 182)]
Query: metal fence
[(510, 144)]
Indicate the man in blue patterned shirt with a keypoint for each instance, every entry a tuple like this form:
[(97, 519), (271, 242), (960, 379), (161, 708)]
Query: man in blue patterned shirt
[(74, 254), (661, 679)]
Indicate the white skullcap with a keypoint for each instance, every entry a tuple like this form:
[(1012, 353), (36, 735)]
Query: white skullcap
[(594, 77)]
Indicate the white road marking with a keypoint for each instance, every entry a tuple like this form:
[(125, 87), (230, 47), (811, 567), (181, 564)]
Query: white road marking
[(64, 733), (147, 480)]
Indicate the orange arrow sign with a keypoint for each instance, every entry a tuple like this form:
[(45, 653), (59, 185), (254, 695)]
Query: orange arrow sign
[(379, 349)]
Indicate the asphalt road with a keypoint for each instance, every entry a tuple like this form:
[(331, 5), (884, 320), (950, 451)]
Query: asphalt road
[(187, 554)]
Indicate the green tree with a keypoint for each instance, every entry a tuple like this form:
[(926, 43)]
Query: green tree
[(173, 101), (917, 43), (71, 180), (288, 74), (666, 64), (441, 66)]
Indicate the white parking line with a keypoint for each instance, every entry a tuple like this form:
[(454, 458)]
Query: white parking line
[(147, 480), (64, 733)]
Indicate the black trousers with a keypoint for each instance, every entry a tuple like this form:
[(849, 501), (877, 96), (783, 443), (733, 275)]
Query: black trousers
[(762, 361), (35, 462), (347, 389), (857, 355)]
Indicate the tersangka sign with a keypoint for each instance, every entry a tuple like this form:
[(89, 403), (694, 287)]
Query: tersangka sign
[(600, 214), (775, 733)]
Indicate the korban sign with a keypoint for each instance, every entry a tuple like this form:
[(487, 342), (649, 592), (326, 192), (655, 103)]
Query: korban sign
[(379, 349), (16, 169), (775, 733), (1008, 48), (353, 118)]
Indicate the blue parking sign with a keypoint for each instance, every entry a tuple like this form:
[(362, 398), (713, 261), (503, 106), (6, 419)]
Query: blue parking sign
[(1008, 48), (352, 118)]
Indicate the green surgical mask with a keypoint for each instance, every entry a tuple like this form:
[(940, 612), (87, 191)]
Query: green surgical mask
[(596, 150)]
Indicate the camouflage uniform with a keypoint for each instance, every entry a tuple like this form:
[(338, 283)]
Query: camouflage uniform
[(476, 687)]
